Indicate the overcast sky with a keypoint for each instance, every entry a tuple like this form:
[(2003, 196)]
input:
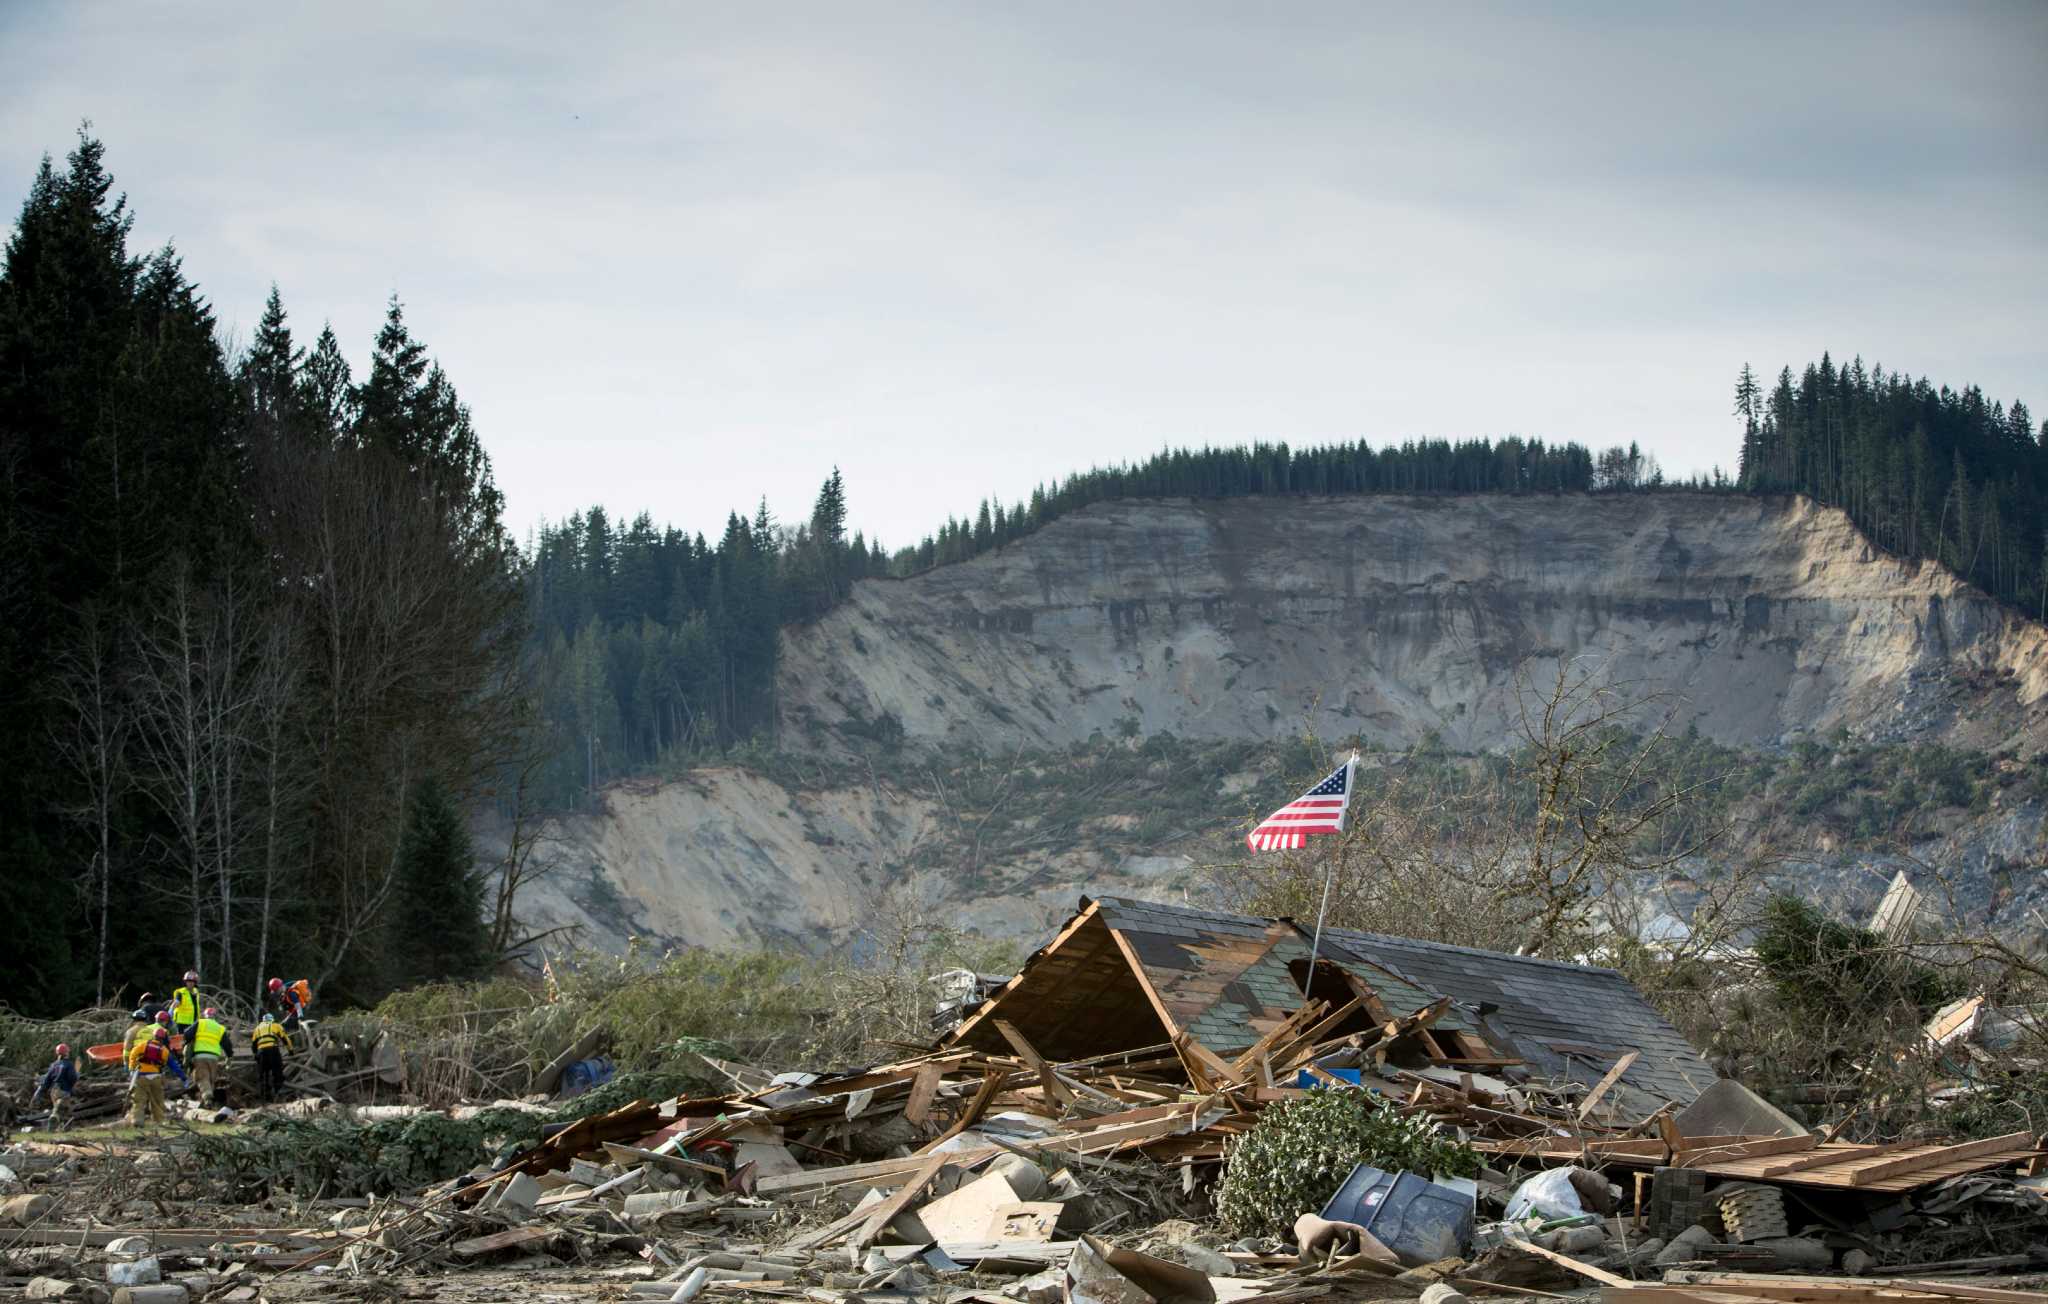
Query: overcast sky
[(678, 256)]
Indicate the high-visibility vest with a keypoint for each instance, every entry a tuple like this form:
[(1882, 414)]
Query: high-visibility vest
[(304, 991), (206, 1037), (185, 1006), (136, 1032), (266, 1034)]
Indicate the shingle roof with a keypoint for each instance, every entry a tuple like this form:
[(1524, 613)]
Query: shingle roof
[(1221, 973), (1566, 1019)]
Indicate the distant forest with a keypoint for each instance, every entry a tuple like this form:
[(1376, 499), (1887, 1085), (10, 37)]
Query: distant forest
[(266, 639), (1925, 472)]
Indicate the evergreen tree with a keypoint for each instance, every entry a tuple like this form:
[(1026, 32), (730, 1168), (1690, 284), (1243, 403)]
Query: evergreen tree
[(438, 931), (326, 391), (269, 374)]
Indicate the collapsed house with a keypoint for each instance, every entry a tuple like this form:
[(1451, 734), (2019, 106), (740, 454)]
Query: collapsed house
[(1123, 974)]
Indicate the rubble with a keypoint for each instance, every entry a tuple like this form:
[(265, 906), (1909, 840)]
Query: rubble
[(1064, 1141)]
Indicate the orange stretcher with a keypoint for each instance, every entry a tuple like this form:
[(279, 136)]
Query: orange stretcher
[(111, 1052)]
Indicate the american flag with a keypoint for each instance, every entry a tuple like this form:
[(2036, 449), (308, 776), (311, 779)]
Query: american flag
[(1318, 811)]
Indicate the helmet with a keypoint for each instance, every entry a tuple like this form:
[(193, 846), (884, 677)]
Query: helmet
[(140, 1016), (163, 1034), (210, 1012), (147, 997), (277, 984), (191, 977), (63, 1051), (163, 1017)]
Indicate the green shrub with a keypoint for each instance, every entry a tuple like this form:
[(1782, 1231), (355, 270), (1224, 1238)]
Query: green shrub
[(339, 1159), (1300, 1151)]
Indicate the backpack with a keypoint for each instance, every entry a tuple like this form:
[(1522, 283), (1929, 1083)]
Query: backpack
[(153, 1055)]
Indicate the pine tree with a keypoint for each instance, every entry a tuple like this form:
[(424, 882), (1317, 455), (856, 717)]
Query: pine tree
[(326, 394), (269, 374), (437, 930)]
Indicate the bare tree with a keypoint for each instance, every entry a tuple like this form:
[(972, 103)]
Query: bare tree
[(192, 708), (281, 776), (1541, 852), (93, 742), (531, 853)]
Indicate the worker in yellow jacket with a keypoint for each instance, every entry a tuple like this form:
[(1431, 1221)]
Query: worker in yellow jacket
[(148, 1061), (270, 1041), (207, 1051), (185, 1007)]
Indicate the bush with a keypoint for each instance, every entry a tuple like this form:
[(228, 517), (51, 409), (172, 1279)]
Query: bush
[(339, 1159), (1300, 1151)]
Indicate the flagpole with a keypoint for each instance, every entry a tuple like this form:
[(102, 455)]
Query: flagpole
[(1315, 949)]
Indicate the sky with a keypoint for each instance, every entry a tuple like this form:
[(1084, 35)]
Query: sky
[(680, 256)]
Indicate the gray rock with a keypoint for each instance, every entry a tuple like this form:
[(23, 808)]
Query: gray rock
[(1683, 1246), (1205, 1260)]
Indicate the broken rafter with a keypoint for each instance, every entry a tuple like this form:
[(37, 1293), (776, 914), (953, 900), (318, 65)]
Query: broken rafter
[(1606, 1083)]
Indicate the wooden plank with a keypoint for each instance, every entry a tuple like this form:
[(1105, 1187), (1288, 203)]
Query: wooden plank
[(1825, 1155), (512, 1238), (681, 1167), (1787, 1292), (1218, 1073), (1166, 1019), (922, 1089), (1698, 1156), (1649, 1292), (1283, 1030), (1606, 1083), (991, 1087), (1585, 1270), (1055, 1090), (896, 1201), (995, 999), (2018, 1142), (1745, 1280)]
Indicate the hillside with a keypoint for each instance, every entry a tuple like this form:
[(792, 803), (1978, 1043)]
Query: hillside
[(1387, 617), (1097, 705)]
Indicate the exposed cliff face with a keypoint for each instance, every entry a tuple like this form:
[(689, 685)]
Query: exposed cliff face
[(1765, 619), (1387, 617)]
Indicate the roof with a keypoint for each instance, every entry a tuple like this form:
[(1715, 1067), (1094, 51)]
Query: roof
[(1567, 1020), (1124, 973)]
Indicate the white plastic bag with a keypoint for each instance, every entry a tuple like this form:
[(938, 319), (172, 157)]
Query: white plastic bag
[(1549, 1195)]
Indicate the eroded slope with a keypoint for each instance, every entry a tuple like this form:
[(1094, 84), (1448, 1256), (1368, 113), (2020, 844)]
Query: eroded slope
[(1766, 618)]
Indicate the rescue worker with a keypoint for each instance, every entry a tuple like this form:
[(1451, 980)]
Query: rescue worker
[(150, 1006), (208, 1052), (140, 1025), (284, 1002), (270, 1041), (147, 1062), (60, 1082), (185, 1006)]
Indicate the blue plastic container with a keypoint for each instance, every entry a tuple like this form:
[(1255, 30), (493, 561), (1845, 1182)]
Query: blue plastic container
[(1356, 1077), (1419, 1220)]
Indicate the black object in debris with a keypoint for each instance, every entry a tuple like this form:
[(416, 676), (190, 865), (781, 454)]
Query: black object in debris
[(1419, 1220)]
